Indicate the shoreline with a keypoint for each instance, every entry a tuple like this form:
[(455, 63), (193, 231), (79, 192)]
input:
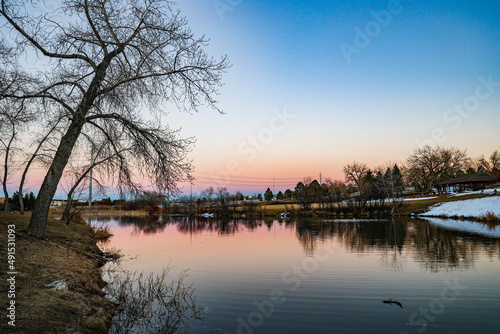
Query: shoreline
[(409, 208), (69, 254)]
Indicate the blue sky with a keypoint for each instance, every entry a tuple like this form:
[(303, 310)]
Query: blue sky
[(395, 94), (296, 105)]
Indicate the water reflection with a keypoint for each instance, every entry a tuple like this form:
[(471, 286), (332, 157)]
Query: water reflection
[(221, 227), (434, 247)]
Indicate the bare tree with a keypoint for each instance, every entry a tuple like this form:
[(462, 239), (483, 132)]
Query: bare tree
[(495, 162), (6, 149), (355, 172), (337, 190), (33, 157), (208, 193), (355, 176), (223, 196), (107, 60), (484, 165), (12, 119), (427, 166), (80, 174), (479, 165)]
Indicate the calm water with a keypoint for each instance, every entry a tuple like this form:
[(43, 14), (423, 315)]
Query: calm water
[(323, 276)]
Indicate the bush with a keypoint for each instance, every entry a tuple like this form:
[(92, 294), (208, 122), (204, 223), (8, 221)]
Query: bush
[(489, 217), (152, 209), (102, 233)]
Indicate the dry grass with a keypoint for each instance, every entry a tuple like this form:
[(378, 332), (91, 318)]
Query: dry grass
[(489, 217), (102, 233), (98, 211), (70, 253)]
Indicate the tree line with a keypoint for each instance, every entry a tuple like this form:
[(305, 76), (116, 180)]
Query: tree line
[(364, 189)]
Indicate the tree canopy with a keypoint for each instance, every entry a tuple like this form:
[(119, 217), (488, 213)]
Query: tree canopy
[(104, 63)]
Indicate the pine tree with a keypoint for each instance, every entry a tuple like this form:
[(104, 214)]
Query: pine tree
[(268, 195), (280, 196)]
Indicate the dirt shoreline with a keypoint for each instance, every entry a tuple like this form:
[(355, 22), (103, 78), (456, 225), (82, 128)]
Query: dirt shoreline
[(68, 253)]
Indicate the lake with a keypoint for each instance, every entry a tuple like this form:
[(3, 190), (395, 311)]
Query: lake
[(330, 276)]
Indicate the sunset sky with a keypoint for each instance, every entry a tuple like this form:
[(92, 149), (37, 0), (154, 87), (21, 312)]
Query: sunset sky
[(315, 85), (369, 81)]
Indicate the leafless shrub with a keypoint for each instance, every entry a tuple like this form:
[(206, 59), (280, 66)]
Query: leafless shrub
[(152, 303)]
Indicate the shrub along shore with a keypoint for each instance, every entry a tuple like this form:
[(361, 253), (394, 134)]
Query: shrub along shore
[(69, 254)]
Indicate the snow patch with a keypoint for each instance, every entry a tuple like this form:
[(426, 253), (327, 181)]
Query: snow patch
[(468, 208)]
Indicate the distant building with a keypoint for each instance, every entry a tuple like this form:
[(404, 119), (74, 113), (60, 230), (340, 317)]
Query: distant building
[(469, 182), (58, 202)]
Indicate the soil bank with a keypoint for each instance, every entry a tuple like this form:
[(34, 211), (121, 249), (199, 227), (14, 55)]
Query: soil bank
[(68, 253)]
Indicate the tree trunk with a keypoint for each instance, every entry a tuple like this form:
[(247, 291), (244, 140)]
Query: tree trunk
[(21, 203), (4, 184), (67, 208), (38, 222)]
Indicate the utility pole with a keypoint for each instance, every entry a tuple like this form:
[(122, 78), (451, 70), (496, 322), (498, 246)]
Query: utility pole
[(90, 175), (319, 178), (191, 204), (273, 187)]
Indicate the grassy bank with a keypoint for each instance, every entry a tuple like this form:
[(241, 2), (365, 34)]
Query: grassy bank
[(68, 253)]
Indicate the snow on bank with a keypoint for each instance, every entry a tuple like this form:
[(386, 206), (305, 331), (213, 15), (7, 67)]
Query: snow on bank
[(468, 208), (419, 198), (485, 191), (465, 193), (466, 226)]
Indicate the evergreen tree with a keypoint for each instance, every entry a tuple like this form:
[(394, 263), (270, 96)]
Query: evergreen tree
[(288, 195), (268, 195), (397, 176), (280, 196)]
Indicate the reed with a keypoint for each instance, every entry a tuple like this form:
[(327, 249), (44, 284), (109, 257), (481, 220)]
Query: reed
[(489, 217)]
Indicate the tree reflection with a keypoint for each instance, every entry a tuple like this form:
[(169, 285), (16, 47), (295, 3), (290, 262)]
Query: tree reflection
[(439, 249), (145, 224), (434, 248), (190, 226)]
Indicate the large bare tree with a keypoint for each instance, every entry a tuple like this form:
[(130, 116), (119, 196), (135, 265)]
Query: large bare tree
[(101, 64), (356, 178), (427, 166)]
